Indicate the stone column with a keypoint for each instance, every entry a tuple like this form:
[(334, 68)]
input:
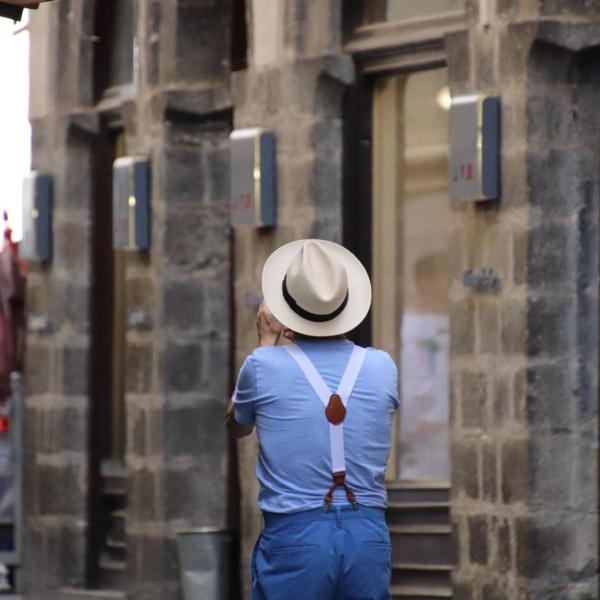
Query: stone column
[(524, 361)]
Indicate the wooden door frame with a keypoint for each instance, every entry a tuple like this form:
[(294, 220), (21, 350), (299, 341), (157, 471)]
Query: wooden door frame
[(379, 50)]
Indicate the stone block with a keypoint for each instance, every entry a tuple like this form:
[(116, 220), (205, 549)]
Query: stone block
[(478, 539), (60, 490), (493, 590), (143, 495), (501, 532), (459, 61), (551, 260), (154, 19), (464, 469), (551, 321), (489, 472), (489, 325), (552, 459), (191, 430), (182, 175), (520, 247), (555, 180), (583, 8), (202, 49), (34, 556), (75, 301), (514, 51), (139, 291), (550, 399), (84, 594), (137, 443), (474, 399), (73, 551), (182, 366), (37, 369), (483, 64), (139, 368), (501, 400), (75, 371), (191, 500), (519, 396), (71, 243), (185, 304), (462, 591), (551, 116), (195, 241), (216, 189), (462, 327), (156, 560), (539, 549), (513, 326), (326, 186), (71, 430), (514, 470), (215, 365), (77, 175)]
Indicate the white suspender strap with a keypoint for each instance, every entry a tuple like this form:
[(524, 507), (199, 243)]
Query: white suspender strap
[(336, 432), (351, 373), (316, 381)]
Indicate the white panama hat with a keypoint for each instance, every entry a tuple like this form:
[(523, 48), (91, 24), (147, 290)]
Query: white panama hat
[(316, 288)]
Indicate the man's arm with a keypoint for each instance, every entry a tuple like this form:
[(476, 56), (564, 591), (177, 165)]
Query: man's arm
[(236, 430), (269, 330)]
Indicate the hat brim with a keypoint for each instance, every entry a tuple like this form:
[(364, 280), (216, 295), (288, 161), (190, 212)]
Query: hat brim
[(359, 291)]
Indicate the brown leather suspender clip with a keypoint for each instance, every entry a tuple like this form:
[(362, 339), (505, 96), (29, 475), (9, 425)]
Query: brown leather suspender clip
[(339, 478)]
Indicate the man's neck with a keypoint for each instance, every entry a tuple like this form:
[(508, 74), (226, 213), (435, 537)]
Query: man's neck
[(299, 336)]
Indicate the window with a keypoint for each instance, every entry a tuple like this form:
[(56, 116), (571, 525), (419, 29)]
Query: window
[(114, 57), (395, 10), (411, 212)]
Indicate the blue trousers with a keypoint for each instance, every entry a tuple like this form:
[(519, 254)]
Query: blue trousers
[(341, 555)]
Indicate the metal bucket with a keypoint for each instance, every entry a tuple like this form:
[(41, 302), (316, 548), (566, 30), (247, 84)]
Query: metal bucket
[(205, 563)]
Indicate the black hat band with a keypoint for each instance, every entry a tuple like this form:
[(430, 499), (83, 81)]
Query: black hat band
[(305, 314)]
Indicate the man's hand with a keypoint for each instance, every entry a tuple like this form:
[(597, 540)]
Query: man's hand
[(268, 327)]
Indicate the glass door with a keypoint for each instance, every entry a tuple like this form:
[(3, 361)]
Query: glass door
[(411, 212)]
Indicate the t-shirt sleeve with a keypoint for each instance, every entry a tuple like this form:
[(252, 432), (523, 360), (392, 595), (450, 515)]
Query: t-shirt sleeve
[(245, 393), (392, 379)]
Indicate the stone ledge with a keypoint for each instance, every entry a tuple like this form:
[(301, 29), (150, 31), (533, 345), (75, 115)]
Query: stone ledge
[(202, 103), (81, 594)]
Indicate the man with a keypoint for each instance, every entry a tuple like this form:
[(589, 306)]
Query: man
[(323, 410)]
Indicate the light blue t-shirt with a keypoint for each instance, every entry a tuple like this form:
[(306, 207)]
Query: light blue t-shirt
[(294, 462)]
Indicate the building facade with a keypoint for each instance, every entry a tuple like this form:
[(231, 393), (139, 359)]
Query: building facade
[(131, 356)]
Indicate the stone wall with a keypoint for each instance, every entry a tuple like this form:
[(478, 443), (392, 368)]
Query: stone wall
[(524, 362), (177, 356)]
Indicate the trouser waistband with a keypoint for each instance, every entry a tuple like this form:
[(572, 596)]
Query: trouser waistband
[(338, 512)]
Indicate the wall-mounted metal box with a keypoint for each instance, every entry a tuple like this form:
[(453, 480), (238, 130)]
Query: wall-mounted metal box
[(131, 203), (36, 244), (253, 178), (475, 147)]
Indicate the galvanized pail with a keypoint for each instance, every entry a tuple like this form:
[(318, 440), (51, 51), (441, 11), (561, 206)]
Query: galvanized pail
[(204, 563)]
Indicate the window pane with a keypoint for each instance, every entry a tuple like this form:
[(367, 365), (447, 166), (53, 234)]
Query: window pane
[(396, 10), (114, 50), (411, 217)]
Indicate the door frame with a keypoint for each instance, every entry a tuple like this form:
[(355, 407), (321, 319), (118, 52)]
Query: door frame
[(379, 50)]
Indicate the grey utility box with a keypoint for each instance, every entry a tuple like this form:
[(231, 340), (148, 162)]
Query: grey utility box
[(475, 147), (131, 203), (37, 217), (253, 178)]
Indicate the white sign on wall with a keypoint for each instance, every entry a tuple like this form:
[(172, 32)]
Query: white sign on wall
[(475, 147)]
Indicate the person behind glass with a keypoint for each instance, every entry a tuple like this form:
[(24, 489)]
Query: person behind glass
[(323, 408)]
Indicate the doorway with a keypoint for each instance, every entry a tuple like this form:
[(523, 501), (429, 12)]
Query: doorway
[(401, 157)]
